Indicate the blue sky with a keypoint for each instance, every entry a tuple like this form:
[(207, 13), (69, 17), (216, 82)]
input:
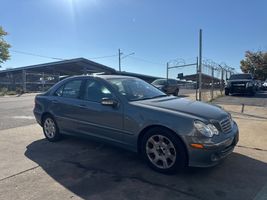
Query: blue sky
[(156, 30)]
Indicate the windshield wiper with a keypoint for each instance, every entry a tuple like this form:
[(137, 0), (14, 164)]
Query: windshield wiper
[(163, 95)]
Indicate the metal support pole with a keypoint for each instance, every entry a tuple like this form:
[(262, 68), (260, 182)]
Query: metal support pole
[(43, 81), (222, 81), (24, 79), (196, 79), (212, 83), (167, 71), (200, 64), (84, 71)]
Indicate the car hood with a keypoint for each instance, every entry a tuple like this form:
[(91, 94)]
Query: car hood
[(186, 106)]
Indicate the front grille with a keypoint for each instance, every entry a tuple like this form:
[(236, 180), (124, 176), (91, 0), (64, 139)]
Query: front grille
[(239, 84), (226, 125)]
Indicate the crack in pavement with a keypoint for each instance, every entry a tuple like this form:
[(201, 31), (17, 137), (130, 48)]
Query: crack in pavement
[(253, 148), (19, 173)]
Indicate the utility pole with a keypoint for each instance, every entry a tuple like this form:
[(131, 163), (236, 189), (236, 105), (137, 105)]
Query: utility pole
[(120, 59), (196, 79), (167, 71), (200, 64)]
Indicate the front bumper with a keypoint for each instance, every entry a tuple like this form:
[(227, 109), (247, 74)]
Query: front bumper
[(212, 154), (242, 90)]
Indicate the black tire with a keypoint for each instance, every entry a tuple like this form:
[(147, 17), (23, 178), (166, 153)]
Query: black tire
[(226, 92), (56, 136), (181, 161)]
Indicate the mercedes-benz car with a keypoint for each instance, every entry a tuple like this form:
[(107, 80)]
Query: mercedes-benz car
[(241, 84), (169, 132)]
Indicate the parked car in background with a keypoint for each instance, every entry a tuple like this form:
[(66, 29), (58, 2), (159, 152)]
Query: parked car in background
[(264, 85), (258, 85), (169, 86), (169, 132), (240, 83)]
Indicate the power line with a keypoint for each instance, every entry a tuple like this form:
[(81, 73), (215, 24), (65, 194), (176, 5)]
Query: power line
[(109, 56), (37, 55), (100, 57), (55, 58), (147, 61)]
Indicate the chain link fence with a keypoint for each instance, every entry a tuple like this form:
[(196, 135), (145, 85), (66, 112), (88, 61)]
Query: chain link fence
[(212, 81)]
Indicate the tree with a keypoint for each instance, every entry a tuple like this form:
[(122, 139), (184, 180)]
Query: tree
[(255, 63), (4, 46)]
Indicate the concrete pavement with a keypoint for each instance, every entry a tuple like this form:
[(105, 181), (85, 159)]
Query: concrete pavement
[(76, 168), (33, 168)]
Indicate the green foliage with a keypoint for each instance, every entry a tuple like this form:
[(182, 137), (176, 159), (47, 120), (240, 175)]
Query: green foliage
[(3, 91), (4, 46), (255, 63)]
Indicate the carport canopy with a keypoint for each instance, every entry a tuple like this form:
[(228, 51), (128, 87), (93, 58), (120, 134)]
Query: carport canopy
[(65, 67), (205, 78)]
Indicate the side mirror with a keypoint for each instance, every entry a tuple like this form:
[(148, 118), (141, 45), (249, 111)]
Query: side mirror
[(109, 102)]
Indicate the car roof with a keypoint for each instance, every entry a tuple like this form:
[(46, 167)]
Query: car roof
[(101, 76), (164, 79)]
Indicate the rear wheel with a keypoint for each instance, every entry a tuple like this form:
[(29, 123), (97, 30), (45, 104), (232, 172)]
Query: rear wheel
[(163, 151), (226, 92), (50, 129)]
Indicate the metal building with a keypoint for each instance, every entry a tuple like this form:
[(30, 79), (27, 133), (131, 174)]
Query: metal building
[(42, 76)]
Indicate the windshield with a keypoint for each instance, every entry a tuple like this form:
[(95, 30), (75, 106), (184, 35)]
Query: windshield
[(159, 82), (135, 89), (240, 76)]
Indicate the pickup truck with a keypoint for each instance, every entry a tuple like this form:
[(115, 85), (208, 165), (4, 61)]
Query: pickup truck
[(241, 84)]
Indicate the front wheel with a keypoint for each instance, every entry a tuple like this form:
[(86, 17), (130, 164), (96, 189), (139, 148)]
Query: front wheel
[(163, 151), (226, 92), (50, 129)]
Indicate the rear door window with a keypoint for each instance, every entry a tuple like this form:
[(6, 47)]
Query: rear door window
[(70, 89), (172, 82)]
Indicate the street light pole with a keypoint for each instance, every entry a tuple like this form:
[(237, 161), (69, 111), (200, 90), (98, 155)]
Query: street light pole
[(120, 59), (200, 64)]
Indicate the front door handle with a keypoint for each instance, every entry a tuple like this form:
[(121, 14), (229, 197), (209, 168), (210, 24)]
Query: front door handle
[(82, 105), (54, 101)]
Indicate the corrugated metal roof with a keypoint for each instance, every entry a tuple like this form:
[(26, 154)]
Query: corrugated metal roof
[(58, 63)]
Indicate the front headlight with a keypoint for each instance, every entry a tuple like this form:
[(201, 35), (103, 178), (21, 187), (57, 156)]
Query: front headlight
[(208, 130), (249, 84)]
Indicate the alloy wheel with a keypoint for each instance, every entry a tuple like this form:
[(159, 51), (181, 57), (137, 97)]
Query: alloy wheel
[(161, 151), (49, 128)]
